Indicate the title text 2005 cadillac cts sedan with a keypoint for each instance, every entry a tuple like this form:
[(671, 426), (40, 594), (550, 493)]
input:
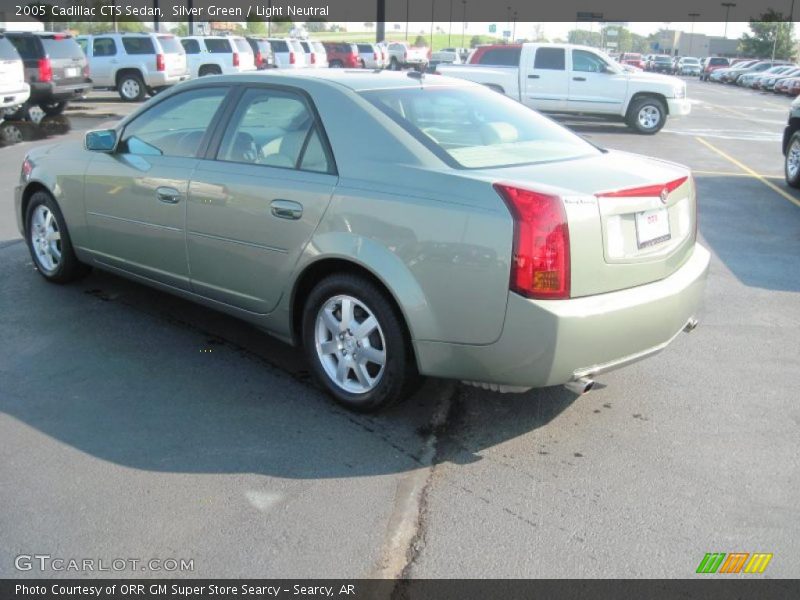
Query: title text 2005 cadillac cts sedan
[(394, 225)]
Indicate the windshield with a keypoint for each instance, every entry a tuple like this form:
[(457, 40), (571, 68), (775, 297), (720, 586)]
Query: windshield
[(691, 61), (476, 128), (663, 59)]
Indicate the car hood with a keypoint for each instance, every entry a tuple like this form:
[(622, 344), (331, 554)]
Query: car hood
[(646, 77)]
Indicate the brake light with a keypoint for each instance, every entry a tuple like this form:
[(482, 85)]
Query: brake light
[(313, 58), (645, 191), (160, 66), (235, 59), (259, 59), (374, 56), (540, 266), (291, 58), (45, 70), (86, 71)]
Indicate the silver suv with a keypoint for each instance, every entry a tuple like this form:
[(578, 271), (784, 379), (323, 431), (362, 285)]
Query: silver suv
[(134, 64)]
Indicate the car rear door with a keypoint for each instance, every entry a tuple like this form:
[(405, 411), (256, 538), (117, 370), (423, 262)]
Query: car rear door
[(544, 82), (135, 197), (257, 198), (104, 61)]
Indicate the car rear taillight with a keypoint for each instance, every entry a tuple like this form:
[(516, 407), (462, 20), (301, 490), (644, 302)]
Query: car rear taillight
[(374, 56), (313, 58), (45, 69), (291, 58), (259, 59), (160, 63), (540, 266), (235, 59), (86, 71), (646, 191)]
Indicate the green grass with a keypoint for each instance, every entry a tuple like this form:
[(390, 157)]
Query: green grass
[(439, 39)]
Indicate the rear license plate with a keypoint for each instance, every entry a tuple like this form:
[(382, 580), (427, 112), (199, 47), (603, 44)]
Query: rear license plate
[(71, 72), (652, 227)]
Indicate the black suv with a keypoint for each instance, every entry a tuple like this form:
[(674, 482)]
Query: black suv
[(55, 67)]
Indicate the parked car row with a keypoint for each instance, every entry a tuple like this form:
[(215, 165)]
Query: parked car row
[(673, 65), (778, 76)]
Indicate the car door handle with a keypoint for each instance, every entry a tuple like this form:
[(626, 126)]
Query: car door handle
[(579, 79), (533, 77), (168, 195), (287, 209)]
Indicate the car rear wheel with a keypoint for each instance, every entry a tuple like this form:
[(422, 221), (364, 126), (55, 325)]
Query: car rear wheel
[(52, 109), (209, 70), (131, 87), (336, 64), (49, 242), (394, 65), (356, 345), (647, 115), (792, 161)]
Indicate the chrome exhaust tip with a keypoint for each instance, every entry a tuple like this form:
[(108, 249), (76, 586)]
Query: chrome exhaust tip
[(690, 325), (580, 386)]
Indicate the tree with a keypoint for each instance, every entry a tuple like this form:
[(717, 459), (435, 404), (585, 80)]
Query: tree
[(181, 29), (538, 34), (475, 41), (369, 25), (771, 32), (586, 38), (316, 24), (255, 26), (420, 42), (281, 25)]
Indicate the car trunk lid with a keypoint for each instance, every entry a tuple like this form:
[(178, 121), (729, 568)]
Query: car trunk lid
[(632, 220), (67, 60), (174, 55)]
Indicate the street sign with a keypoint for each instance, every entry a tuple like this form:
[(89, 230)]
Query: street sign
[(506, 34), (493, 28)]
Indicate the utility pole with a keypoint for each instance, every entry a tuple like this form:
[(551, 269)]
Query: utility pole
[(433, 6), (407, 1), (514, 28), (728, 6), (463, 23), (156, 24), (380, 25)]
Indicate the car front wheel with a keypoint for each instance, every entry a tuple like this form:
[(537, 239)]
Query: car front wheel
[(355, 343), (49, 242), (131, 88), (792, 161), (647, 115)]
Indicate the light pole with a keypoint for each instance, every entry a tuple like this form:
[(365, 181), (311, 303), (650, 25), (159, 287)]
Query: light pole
[(463, 22), (691, 35), (508, 20), (728, 6), (433, 6), (407, 1), (450, 28), (514, 28)]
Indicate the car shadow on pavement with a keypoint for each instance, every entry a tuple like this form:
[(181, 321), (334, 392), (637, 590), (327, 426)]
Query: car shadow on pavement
[(148, 381), (752, 229)]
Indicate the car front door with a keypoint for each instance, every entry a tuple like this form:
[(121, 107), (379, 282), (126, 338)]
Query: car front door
[(546, 83), (103, 61), (595, 86), (135, 197), (256, 199)]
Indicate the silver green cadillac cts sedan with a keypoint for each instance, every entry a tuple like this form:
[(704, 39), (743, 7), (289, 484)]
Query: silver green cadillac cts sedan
[(394, 225)]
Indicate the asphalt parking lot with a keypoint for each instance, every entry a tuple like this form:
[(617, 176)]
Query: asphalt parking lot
[(138, 426)]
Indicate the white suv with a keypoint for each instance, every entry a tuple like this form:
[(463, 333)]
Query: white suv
[(134, 64), (218, 55), (289, 53), (13, 89)]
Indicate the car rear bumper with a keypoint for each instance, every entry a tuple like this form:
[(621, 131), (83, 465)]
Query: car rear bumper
[(679, 107), (161, 79), (14, 98), (48, 92), (551, 342)]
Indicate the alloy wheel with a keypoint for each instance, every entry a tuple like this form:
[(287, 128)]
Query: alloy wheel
[(793, 160), (130, 88), (350, 344), (45, 239), (649, 116)]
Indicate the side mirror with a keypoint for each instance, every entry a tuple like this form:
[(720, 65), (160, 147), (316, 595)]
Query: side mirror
[(102, 140)]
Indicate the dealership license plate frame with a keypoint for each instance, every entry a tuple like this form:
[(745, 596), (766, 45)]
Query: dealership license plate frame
[(649, 232)]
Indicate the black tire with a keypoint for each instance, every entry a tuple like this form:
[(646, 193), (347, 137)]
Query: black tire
[(394, 65), (363, 64), (792, 174), (131, 87), (399, 377), (53, 109), (209, 70), (69, 268), (336, 64), (22, 113), (640, 104)]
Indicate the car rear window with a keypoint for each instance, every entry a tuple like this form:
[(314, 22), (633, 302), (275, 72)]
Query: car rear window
[(501, 57), (7, 50), (138, 45), (717, 61), (279, 46), (296, 46), (61, 47), (318, 47), (475, 128), (263, 46), (364, 48), (170, 44), (218, 46), (191, 46), (242, 46)]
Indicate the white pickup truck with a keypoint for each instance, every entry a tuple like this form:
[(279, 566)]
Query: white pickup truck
[(565, 78)]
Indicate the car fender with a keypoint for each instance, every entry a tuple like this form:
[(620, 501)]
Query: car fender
[(381, 263)]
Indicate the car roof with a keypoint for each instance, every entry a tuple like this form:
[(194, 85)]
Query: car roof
[(353, 79)]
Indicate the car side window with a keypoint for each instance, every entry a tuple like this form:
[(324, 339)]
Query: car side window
[(175, 126), (501, 57), (191, 46), (84, 44), (274, 128), (218, 46), (104, 47), (138, 45), (587, 62), (550, 59)]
